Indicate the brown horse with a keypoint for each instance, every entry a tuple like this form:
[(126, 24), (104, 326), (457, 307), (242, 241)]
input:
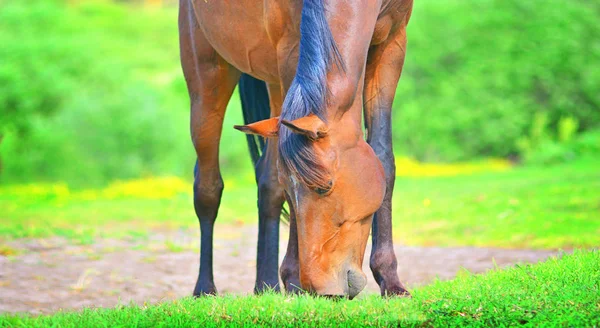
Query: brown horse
[(307, 69)]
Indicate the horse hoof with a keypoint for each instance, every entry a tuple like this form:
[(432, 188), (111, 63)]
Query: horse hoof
[(266, 288), (293, 288), (201, 292), (398, 291)]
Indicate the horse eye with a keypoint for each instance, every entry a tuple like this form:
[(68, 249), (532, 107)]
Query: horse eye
[(323, 191)]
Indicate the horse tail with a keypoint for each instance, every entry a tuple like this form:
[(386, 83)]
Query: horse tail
[(255, 107)]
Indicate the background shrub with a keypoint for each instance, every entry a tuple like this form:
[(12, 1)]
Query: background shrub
[(92, 91), (81, 99), (477, 72)]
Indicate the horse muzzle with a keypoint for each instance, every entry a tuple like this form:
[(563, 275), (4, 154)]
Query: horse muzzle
[(349, 284)]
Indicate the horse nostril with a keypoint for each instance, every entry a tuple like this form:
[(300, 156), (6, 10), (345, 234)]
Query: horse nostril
[(356, 282)]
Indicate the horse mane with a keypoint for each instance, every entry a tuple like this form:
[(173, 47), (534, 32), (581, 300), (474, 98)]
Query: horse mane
[(308, 95)]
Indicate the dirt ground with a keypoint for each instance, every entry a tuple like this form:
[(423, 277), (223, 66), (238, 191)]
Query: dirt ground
[(52, 274)]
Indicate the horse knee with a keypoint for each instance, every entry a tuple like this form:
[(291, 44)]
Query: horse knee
[(386, 156), (207, 196)]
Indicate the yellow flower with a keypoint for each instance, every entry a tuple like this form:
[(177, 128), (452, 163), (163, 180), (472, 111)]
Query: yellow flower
[(407, 167), (147, 188)]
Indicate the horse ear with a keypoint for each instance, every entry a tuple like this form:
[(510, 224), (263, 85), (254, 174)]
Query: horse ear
[(311, 126), (265, 128)]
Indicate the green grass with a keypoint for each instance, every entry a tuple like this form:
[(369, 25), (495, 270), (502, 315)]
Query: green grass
[(534, 207), (558, 292)]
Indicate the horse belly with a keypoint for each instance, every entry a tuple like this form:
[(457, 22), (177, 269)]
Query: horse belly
[(236, 30)]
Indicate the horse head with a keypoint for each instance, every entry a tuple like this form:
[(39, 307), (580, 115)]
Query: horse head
[(334, 183)]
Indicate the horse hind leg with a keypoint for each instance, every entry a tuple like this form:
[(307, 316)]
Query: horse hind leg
[(270, 204), (210, 81), (271, 196)]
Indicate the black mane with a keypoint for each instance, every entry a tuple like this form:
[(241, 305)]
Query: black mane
[(308, 95)]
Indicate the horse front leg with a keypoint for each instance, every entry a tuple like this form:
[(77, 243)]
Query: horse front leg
[(210, 82), (384, 67)]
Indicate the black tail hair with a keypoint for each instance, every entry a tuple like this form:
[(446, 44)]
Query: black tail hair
[(255, 107)]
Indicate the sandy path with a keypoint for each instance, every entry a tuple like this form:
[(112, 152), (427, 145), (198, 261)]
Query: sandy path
[(53, 274)]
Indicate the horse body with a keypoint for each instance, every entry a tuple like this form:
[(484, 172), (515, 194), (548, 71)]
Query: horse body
[(237, 30), (320, 74)]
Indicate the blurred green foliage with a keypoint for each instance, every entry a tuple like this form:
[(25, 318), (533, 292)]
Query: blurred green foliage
[(477, 72), (110, 77), (92, 91)]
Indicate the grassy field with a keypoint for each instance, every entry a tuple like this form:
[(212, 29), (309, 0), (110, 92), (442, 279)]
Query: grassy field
[(483, 204), (535, 207), (558, 292)]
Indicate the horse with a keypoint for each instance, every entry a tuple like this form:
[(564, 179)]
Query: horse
[(308, 72)]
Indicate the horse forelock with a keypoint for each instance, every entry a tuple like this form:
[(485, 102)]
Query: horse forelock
[(308, 95)]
